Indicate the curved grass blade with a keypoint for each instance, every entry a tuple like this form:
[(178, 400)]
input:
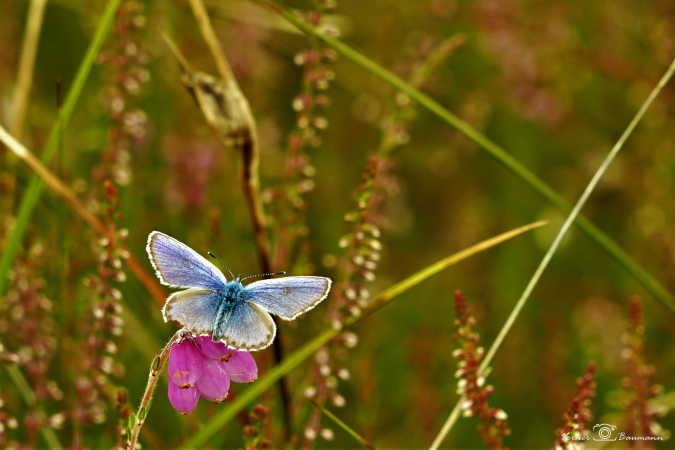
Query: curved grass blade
[(349, 430), (501, 155), (294, 359), (36, 185), (554, 246)]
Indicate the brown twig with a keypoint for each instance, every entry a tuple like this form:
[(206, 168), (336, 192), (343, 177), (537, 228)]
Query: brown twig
[(97, 224), (247, 135), (240, 127)]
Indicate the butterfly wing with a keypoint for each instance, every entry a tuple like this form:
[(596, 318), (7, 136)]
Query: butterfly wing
[(193, 308), (177, 265), (288, 297), (246, 326)]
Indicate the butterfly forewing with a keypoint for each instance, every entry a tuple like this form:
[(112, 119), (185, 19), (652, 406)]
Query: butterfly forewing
[(288, 297), (177, 265), (193, 308), (246, 327)]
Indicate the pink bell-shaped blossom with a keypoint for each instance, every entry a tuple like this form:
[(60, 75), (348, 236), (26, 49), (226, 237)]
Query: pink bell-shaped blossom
[(200, 367)]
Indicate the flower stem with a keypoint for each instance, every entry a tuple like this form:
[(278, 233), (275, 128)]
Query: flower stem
[(498, 153), (556, 243), (155, 370)]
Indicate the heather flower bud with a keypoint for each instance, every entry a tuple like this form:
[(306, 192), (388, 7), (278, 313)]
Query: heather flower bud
[(310, 392), (310, 434), (327, 434)]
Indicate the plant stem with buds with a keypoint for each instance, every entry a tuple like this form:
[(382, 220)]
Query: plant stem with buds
[(153, 377)]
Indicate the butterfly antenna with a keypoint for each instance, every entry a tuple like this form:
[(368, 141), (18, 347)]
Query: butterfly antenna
[(221, 264), (263, 275)]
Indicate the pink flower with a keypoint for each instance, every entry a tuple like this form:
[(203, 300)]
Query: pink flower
[(201, 367)]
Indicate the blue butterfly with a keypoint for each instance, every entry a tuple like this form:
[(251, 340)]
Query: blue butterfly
[(227, 310)]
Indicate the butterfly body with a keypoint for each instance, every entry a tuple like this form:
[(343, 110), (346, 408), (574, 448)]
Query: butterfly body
[(230, 297), (226, 309)]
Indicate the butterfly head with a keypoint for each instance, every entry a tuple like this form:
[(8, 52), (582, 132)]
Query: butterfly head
[(232, 290)]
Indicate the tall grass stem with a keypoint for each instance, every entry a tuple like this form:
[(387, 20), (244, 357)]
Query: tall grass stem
[(556, 243), (501, 155), (32, 194), (26, 65), (215, 425)]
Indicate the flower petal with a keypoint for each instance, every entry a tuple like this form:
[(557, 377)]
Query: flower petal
[(185, 364), (210, 349), (214, 383), (183, 399), (241, 366)]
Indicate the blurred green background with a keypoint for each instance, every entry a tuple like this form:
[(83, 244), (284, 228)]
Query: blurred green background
[(554, 83)]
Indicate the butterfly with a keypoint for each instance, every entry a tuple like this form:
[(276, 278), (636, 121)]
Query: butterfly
[(237, 314)]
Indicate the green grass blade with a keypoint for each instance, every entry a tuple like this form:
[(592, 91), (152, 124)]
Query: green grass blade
[(36, 185), (648, 281), (293, 360), (555, 244), (349, 430)]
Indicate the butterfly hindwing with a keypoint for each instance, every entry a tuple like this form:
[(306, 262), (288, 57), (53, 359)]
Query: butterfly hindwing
[(288, 297), (193, 308), (177, 265), (245, 327)]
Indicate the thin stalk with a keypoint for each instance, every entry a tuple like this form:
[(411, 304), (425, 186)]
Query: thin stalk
[(556, 243), (34, 190), (155, 371), (24, 83), (344, 426), (29, 397), (101, 228), (250, 181), (501, 155), (250, 154), (215, 425)]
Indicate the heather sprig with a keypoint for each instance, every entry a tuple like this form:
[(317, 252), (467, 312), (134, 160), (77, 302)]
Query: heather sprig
[(254, 429), (126, 61), (543, 264), (288, 201), (471, 384), (29, 344), (95, 385), (362, 245), (578, 414), (637, 384)]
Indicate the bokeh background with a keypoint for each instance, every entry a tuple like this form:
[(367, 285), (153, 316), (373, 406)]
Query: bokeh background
[(554, 83)]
